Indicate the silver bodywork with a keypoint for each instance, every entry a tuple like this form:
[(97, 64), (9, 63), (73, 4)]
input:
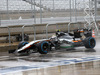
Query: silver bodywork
[(29, 44)]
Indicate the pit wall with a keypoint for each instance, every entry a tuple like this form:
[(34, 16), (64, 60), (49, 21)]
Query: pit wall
[(40, 31)]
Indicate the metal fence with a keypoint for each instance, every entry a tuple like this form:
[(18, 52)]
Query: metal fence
[(29, 12), (39, 10)]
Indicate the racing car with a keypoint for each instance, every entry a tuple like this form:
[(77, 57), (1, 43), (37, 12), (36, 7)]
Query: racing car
[(79, 37)]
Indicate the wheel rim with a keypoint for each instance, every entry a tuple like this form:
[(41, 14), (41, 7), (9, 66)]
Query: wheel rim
[(92, 42), (45, 47)]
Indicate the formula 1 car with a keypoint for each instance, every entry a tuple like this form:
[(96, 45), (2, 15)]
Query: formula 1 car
[(79, 37)]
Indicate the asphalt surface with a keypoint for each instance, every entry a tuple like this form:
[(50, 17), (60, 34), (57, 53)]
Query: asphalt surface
[(10, 60), (90, 59)]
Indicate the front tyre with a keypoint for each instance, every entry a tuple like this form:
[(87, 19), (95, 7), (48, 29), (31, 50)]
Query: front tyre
[(43, 47), (21, 44), (90, 42), (23, 52)]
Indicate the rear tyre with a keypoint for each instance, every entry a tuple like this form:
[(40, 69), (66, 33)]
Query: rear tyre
[(89, 42), (43, 47), (21, 44)]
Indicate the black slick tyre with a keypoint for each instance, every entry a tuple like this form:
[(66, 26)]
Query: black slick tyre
[(43, 47), (89, 42), (24, 52), (21, 44)]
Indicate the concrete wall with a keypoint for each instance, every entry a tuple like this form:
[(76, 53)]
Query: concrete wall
[(40, 30)]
